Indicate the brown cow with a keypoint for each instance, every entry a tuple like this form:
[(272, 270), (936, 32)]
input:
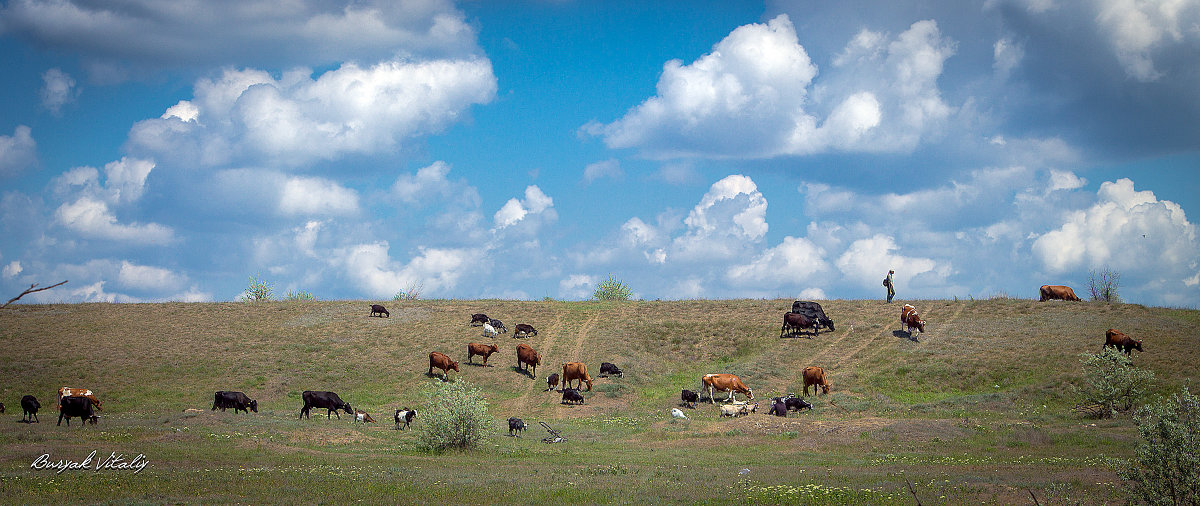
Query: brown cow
[(79, 392), (815, 376), (1122, 342), (576, 371), (725, 382), (484, 350), (443, 362), (1057, 292), (526, 356), (796, 322), (910, 319)]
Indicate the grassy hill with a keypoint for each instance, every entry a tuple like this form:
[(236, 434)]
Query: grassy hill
[(976, 409)]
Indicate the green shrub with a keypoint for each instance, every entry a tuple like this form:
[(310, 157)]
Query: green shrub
[(299, 296), (259, 290), (612, 289), (1110, 383), (1168, 455), (455, 417)]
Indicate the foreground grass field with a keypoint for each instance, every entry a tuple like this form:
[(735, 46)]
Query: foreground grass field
[(977, 410)]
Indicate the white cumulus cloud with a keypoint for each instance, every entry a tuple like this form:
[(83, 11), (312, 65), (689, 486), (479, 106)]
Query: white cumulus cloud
[(17, 151), (312, 196), (58, 89), (515, 210)]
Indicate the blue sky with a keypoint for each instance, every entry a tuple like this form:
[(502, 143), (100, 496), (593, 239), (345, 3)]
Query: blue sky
[(156, 151)]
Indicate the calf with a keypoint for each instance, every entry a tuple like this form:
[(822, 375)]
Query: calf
[(528, 357), (796, 322), (483, 350), (69, 407), (524, 330), (443, 362), (1120, 341), (376, 309), (689, 398), (515, 425), (498, 325), (362, 416), (607, 369), (571, 396), (479, 318), (328, 400), (31, 406), (551, 381), (404, 416), (815, 376), (236, 400)]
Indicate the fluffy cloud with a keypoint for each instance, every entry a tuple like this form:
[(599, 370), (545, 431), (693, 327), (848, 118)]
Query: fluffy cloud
[(1136, 29), (730, 216), (795, 260), (1127, 230), (577, 286), (17, 151), (754, 96), (867, 261), (93, 218), (436, 270), (89, 202), (115, 38), (517, 210), (58, 89), (12, 269), (248, 115), (144, 277), (309, 196), (610, 168)]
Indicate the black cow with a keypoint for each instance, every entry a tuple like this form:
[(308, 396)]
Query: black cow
[(31, 406), (813, 311), (479, 318), (328, 400), (404, 416), (70, 407), (376, 309), (524, 328), (515, 425), (607, 369), (571, 396), (498, 325), (551, 381), (236, 400), (689, 398)]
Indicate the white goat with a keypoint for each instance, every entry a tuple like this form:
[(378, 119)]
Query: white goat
[(489, 330)]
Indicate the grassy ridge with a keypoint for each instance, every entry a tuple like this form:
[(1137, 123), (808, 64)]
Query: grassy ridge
[(977, 409)]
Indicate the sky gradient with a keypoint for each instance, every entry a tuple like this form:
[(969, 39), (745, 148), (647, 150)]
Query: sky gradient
[(170, 151)]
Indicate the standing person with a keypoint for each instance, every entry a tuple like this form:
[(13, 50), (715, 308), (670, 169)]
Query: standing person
[(888, 283)]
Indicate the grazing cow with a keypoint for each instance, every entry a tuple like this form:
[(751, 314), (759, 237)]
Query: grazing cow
[(479, 318), (576, 371), (31, 406), (815, 376), (689, 398), (236, 400), (76, 406), (515, 425), (376, 309), (797, 322), (525, 330), (489, 330), (526, 357), (1057, 292), (571, 396), (675, 412), (328, 400), (607, 369), (404, 416), (498, 325), (813, 311), (362, 416), (910, 319), (441, 361), (1119, 340), (725, 383), (483, 350), (778, 408), (80, 392), (551, 381)]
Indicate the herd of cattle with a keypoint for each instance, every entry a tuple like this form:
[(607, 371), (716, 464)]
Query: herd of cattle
[(82, 403)]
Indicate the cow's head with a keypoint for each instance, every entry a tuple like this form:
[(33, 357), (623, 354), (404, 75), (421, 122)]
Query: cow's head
[(493, 349), (454, 365), (1137, 345), (347, 408), (921, 325), (827, 322), (254, 406), (749, 393)]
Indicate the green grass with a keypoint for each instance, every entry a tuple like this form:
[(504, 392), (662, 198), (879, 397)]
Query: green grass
[(976, 410)]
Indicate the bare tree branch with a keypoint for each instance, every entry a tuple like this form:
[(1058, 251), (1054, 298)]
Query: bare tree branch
[(29, 291)]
